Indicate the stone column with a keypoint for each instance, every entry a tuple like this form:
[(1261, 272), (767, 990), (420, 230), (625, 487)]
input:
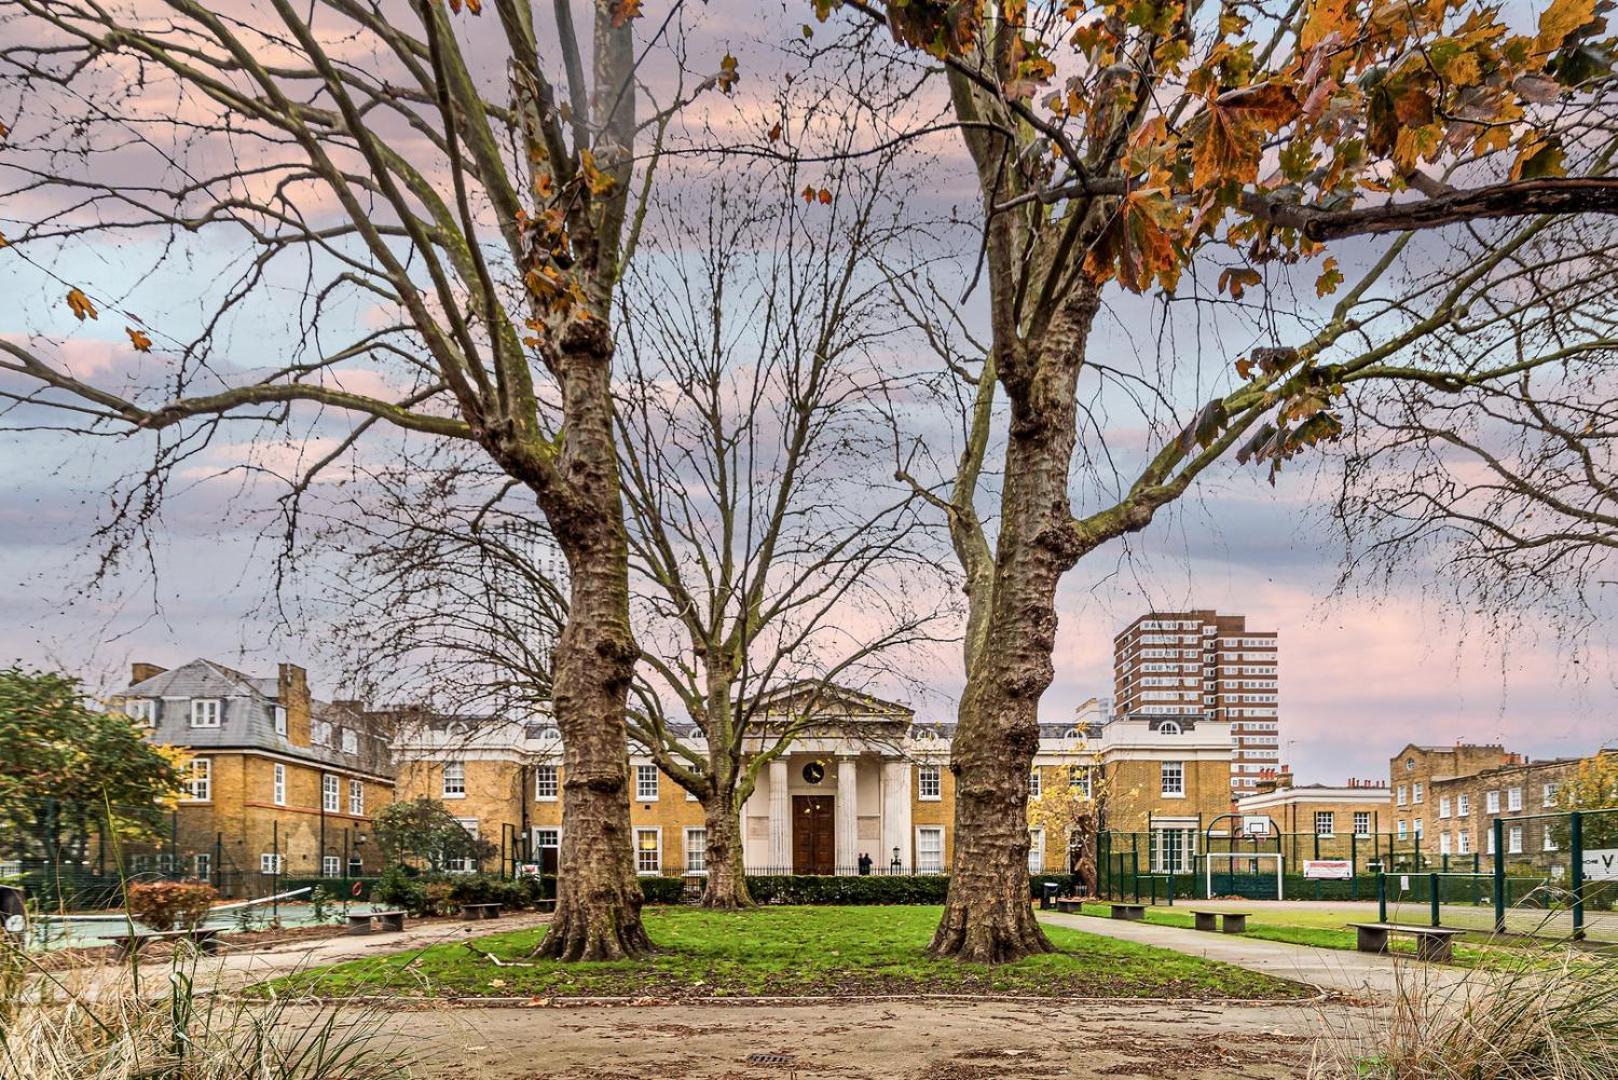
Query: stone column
[(848, 814), (780, 819), (895, 813)]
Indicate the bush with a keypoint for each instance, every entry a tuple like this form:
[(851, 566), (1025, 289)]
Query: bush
[(397, 888), (167, 905), (663, 890), (815, 889), (443, 894)]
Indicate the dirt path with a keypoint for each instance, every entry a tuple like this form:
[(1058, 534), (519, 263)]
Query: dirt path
[(857, 1040)]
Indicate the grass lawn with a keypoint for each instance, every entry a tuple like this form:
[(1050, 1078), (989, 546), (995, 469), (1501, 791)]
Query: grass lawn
[(791, 951)]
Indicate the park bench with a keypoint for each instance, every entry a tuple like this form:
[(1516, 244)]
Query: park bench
[(203, 940), (360, 922), (1434, 944), (1132, 912), (480, 911), (1073, 905), (1234, 922)]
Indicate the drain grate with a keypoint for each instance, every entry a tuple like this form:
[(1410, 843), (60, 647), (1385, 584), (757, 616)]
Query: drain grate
[(769, 1059)]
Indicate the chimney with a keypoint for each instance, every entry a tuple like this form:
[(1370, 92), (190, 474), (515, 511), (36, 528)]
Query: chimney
[(140, 671), (292, 694)]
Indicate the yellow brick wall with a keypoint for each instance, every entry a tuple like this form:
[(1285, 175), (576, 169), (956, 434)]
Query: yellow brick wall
[(1133, 793)]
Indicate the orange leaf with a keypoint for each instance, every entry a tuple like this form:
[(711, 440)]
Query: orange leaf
[(728, 75), (138, 339), (825, 197), (1561, 19), (775, 132), (1236, 280), (81, 306), (1228, 136), (623, 11), (809, 193)]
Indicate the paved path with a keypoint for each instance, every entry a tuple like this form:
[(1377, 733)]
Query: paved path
[(1338, 970)]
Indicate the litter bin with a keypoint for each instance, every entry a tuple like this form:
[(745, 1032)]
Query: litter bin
[(1047, 893), (13, 912)]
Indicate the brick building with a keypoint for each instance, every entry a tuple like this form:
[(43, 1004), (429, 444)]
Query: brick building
[(1202, 663), (278, 783), (1329, 821)]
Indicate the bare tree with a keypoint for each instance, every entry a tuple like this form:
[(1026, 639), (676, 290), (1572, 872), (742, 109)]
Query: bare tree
[(451, 195), (1117, 148)]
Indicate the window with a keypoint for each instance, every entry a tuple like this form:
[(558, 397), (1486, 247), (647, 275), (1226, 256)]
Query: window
[(1036, 851), (351, 741), (320, 732), (1034, 783), (545, 784), (202, 865), (331, 866), (1443, 807), (1404, 794), (454, 779), (1415, 792), (1548, 841), (1078, 779), (356, 866), (646, 783), (141, 710), (329, 793), (198, 785), (280, 715), (1463, 805), (205, 712), (547, 838), (1168, 727), (1362, 823), (1173, 850), (929, 783), (1171, 776), (1491, 802), (648, 851), (1463, 843), (1514, 799), (356, 797), (279, 794), (1415, 827), (1403, 829), (1548, 793), (1514, 840), (930, 849), (1325, 823), (1491, 842), (1443, 843), (271, 863), (464, 864), (696, 851)]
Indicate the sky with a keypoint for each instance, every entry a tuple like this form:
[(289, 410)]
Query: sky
[(1364, 669)]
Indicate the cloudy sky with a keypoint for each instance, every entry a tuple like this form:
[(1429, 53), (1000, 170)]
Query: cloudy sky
[(1364, 670)]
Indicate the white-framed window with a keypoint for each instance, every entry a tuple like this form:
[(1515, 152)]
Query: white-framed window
[(1463, 805), (1168, 727), (331, 866), (279, 790), (648, 851), (1548, 839), (646, 783), (1404, 794), (1548, 794), (464, 864), (1416, 792), (1036, 851), (1513, 799), (1490, 847), (356, 797), (547, 838), (141, 710), (320, 732), (1171, 778), (1362, 823), (1514, 840), (280, 714), (1403, 828), (454, 779), (1416, 828), (271, 863), (198, 785), (696, 851), (1463, 843), (205, 712), (1173, 850), (1078, 779), (929, 783), (202, 865), (929, 849), (1443, 843), (1444, 807), (1491, 802), (330, 793), (1325, 823), (1034, 783), (351, 741), (546, 785)]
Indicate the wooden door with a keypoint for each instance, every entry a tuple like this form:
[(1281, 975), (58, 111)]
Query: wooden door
[(813, 835)]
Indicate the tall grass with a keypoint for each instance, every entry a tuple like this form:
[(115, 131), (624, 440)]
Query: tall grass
[(1543, 1015), (157, 1024)]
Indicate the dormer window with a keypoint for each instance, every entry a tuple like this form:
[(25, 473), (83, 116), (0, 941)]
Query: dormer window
[(205, 712), (141, 710), (320, 732), (280, 720), (351, 741), (1168, 727)]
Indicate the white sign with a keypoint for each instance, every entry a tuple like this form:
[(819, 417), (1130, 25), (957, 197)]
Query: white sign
[(1258, 825), (1404, 882), (528, 869), (1328, 869), (1601, 865)]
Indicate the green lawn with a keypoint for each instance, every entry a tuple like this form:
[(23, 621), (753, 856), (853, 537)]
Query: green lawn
[(791, 951)]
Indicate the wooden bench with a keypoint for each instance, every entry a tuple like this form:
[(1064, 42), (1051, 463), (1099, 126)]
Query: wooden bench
[(1131, 912), (545, 903), (1073, 905), (1434, 944), (202, 940), (1229, 922), (480, 911), (360, 922)]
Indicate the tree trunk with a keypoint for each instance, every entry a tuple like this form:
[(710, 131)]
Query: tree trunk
[(726, 887), (988, 917), (598, 897)]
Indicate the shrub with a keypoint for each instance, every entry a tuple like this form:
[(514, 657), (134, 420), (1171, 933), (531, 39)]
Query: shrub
[(663, 890), (443, 894), (815, 889), (397, 888), (166, 905), (336, 887)]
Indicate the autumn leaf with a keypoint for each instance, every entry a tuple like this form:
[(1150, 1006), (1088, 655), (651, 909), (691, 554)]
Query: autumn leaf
[(623, 11), (597, 181), (728, 75), (775, 132), (138, 339), (81, 306), (3, 241), (824, 196), (1235, 281), (809, 193), (1330, 277), (474, 6), (1138, 244), (1538, 158), (1561, 19), (1228, 135)]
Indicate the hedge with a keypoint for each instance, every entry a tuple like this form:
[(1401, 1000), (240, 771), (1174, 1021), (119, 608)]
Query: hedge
[(871, 889)]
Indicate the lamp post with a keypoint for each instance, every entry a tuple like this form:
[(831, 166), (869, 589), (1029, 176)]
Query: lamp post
[(893, 867)]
